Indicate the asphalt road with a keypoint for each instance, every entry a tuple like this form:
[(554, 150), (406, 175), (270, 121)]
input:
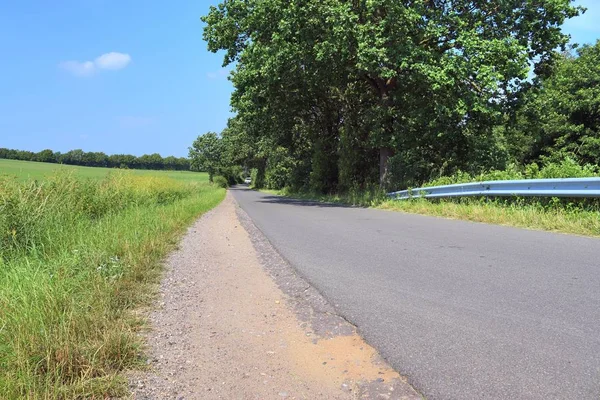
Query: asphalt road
[(464, 310)]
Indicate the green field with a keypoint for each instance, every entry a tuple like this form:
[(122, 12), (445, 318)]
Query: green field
[(24, 170), (78, 258)]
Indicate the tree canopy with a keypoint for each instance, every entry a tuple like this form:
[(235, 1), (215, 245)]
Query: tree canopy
[(565, 113), (206, 154), (334, 94), (99, 159)]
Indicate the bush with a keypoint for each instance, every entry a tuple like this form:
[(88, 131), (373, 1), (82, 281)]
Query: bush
[(324, 175), (279, 169), (221, 181), (407, 169), (277, 176), (257, 175), (567, 168), (232, 174)]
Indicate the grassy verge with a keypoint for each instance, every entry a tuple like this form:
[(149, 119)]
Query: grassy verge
[(530, 215), (552, 215), (77, 257)]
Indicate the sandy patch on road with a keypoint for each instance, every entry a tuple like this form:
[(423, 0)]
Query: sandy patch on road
[(225, 330)]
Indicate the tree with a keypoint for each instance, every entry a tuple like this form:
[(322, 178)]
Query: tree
[(45, 156), (99, 159), (151, 161), (206, 154), (94, 159), (565, 112), (74, 157), (24, 155), (421, 83)]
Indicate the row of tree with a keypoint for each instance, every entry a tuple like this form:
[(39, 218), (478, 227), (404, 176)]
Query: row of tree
[(99, 159), (331, 95), (217, 156)]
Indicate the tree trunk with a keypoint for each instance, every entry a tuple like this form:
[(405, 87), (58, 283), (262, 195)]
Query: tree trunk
[(382, 88), (384, 154)]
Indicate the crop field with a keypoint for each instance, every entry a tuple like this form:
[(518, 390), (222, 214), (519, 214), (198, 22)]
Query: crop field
[(25, 170), (80, 253)]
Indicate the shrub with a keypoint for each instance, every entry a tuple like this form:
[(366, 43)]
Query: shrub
[(279, 169), (233, 174), (277, 176), (567, 168), (221, 181), (257, 175)]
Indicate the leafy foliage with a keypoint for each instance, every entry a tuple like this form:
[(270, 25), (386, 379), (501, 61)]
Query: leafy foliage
[(567, 168), (565, 112), (99, 159), (217, 155), (206, 153), (221, 181), (341, 95)]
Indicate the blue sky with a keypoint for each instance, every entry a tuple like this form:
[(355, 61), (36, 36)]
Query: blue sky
[(122, 76)]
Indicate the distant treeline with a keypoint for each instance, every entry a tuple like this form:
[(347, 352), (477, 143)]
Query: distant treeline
[(99, 159)]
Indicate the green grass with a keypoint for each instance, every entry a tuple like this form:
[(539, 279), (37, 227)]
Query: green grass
[(78, 257), (25, 170), (523, 214), (553, 215)]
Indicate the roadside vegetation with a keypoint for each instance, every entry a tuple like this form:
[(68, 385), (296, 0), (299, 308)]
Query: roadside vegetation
[(78, 257), (219, 158), (347, 101), (576, 216), (555, 215)]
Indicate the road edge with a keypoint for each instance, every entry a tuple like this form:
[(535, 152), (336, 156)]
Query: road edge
[(313, 309)]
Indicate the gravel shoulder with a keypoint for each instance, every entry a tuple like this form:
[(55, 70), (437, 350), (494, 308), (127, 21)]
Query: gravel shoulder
[(235, 321)]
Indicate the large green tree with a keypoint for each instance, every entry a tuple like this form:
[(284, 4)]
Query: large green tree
[(565, 112), (336, 88), (206, 154)]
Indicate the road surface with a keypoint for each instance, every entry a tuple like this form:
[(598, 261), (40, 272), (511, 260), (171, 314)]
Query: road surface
[(464, 310)]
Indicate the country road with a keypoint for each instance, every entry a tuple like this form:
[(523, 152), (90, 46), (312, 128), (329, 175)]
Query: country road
[(464, 310)]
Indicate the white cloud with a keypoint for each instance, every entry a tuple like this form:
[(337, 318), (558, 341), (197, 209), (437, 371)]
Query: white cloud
[(109, 61), (113, 61)]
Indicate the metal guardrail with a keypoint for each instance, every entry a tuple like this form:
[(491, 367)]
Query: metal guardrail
[(568, 187)]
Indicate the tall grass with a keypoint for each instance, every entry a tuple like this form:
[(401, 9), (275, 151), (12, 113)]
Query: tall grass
[(567, 215), (77, 257), (556, 215)]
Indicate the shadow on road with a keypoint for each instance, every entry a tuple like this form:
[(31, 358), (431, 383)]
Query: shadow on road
[(272, 199), (300, 202)]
